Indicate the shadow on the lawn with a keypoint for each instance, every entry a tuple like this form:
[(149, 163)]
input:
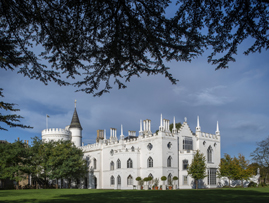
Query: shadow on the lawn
[(180, 196)]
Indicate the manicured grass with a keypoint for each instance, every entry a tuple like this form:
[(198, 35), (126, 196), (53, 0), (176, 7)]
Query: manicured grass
[(236, 195)]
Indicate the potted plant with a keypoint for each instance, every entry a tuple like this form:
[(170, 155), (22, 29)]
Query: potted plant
[(163, 178), (138, 179), (161, 187), (175, 178), (146, 179)]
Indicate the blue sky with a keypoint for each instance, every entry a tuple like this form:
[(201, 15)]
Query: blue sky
[(236, 97)]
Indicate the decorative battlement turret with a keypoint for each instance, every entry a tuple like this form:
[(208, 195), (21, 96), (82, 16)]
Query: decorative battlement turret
[(56, 131), (56, 134)]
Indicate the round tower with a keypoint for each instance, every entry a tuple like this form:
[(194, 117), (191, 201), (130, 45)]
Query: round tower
[(76, 129)]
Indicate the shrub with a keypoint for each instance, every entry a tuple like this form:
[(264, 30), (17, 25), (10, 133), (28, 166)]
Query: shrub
[(175, 178), (163, 178), (252, 184), (138, 178), (146, 179)]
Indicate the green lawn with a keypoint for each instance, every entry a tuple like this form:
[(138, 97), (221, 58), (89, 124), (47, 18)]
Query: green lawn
[(127, 196)]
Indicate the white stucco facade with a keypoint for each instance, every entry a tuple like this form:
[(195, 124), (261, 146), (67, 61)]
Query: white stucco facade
[(114, 163)]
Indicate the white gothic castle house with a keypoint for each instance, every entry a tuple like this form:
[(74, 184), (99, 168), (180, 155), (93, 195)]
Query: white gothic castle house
[(115, 163)]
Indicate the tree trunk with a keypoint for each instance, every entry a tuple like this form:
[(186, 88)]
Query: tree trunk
[(229, 182), (17, 186), (196, 182), (242, 183)]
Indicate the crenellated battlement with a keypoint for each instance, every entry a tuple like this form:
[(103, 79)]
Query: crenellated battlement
[(210, 136), (54, 131), (91, 146)]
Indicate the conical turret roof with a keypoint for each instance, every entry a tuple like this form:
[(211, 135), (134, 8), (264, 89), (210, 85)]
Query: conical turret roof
[(75, 121)]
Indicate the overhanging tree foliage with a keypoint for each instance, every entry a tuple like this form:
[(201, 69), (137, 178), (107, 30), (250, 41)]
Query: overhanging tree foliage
[(9, 119), (197, 168), (98, 42)]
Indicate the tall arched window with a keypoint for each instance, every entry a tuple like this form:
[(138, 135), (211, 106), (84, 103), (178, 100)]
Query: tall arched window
[(150, 162), (119, 180), (130, 180), (94, 163), (118, 164), (129, 163), (185, 164), (112, 180), (112, 165), (209, 154), (169, 161)]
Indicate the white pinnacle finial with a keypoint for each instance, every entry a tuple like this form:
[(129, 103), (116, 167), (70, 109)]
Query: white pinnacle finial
[(105, 134), (75, 103), (121, 130), (185, 119), (161, 123), (174, 123), (217, 127), (198, 128), (141, 126)]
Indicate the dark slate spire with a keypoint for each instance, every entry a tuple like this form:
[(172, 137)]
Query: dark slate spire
[(75, 121)]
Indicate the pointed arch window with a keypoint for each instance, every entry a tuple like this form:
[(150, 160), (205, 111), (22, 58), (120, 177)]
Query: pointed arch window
[(119, 180), (129, 180), (132, 148), (112, 180), (185, 164), (94, 163), (210, 155), (112, 165), (169, 161), (150, 162), (118, 163), (129, 163)]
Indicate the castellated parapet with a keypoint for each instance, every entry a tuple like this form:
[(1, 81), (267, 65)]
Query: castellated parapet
[(56, 134)]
